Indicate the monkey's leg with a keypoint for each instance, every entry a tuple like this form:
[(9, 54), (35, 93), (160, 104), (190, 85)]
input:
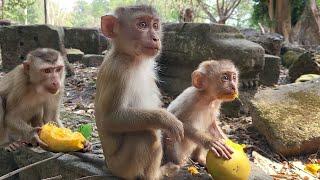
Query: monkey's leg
[(139, 155), (199, 155), (3, 130)]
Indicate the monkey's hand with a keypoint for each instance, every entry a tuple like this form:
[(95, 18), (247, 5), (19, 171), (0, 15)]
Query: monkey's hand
[(219, 148), (35, 139), (87, 147), (173, 127)]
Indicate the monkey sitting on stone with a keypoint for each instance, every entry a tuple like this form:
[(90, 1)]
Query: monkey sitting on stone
[(198, 108), (30, 96)]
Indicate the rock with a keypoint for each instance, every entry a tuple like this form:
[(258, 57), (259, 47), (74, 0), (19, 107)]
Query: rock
[(258, 174), (186, 45), (85, 39), (92, 60), (74, 55), (5, 22), (290, 57), (271, 70), (104, 43), (308, 63), (288, 117), (271, 42), (307, 77), (292, 47), (18, 41), (68, 166)]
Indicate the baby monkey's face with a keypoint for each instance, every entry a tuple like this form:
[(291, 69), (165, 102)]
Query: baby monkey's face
[(224, 85)]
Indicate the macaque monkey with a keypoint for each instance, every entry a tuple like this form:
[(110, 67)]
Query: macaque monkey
[(31, 95), (127, 104), (188, 15), (198, 107)]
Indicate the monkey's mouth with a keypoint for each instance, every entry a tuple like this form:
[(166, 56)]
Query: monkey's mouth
[(154, 48), (53, 90)]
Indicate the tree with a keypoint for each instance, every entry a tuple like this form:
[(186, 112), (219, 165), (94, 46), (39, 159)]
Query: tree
[(224, 9), (17, 10), (307, 29), (291, 18)]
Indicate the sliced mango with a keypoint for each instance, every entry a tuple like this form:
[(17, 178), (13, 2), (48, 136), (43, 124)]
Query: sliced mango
[(313, 168), (61, 139)]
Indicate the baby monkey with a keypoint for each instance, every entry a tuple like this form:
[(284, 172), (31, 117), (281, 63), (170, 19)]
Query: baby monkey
[(198, 108)]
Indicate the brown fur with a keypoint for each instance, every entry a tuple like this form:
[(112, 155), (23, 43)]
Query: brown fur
[(27, 103), (127, 104), (198, 108)]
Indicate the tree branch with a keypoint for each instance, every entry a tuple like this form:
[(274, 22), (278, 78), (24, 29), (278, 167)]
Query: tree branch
[(205, 9)]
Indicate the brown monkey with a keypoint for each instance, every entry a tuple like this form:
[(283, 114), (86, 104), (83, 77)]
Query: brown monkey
[(188, 15), (31, 95), (198, 108), (127, 104)]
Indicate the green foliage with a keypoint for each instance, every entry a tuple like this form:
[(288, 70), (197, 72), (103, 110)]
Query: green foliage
[(260, 12), (17, 10), (88, 14), (86, 130), (297, 7)]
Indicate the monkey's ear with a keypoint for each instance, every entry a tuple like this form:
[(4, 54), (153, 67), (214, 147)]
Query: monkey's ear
[(109, 24), (199, 80), (26, 66)]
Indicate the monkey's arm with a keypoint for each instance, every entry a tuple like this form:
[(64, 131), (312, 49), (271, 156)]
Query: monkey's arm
[(215, 130), (17, 124), (130, 119), (199, 137)]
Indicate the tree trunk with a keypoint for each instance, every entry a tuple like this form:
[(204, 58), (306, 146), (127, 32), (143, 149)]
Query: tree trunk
[(283, 18), (307, 29), (271, 14), (45, 12)]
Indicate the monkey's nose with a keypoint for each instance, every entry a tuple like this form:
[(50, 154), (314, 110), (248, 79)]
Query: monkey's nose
[(155, 39)]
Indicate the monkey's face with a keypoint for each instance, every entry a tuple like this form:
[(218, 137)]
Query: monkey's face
[(141, 36), (227, 87), (138, 35), (46, 76)]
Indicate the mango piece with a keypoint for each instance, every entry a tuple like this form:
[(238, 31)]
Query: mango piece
[(237, 168), (193, 170), (313, 168), (61, 139)]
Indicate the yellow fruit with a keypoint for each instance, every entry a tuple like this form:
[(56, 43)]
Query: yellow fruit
[(193, 170), (61, 139), (313, 168), (237, 168)]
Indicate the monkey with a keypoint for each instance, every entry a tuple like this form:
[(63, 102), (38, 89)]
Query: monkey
[(188, 15), (198, 107), (31, 95), (128, 109)]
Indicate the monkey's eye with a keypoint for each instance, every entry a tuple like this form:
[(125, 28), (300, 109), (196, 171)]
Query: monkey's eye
[(234, 77), (142, 25), (225, 77), (58, 69), (156, 26), (47, 70)]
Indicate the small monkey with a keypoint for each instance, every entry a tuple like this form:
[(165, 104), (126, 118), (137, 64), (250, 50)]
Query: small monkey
[(31, 95), (198, 108), (127, 103), (188, 15)]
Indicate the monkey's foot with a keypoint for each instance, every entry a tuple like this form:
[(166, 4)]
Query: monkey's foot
[(15, 146), (169, 169)]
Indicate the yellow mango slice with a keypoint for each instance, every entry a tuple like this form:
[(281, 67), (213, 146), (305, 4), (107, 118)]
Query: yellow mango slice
[(193, 170), (61, 139), (237, 168), (313, 168)]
